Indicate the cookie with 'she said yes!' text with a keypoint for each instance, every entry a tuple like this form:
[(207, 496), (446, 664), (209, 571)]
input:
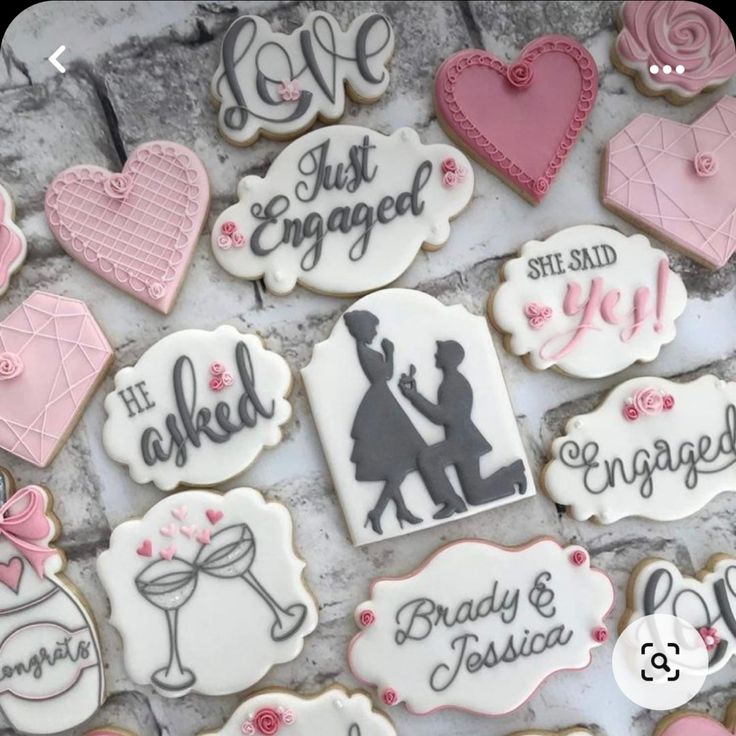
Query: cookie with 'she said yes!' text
[(197, 408)]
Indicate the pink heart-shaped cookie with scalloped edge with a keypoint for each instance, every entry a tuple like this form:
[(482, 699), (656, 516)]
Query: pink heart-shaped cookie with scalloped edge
[(692, 724), (519, 120), (678, 181), (136, 229), (53, 355)]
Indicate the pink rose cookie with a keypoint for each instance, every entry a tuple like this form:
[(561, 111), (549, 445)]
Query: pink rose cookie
[(633, 455), (678, 181), (692, 723), (480, 627), (588, 301), (705, 601), (12, 241), (201, 581), (53, 676), (137, 229), (674, 48), (53, 355), (333, 712), (519, 120)]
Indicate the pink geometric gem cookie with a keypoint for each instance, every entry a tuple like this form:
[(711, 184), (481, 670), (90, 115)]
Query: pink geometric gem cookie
[(519, 120), (674, 48), (12, 241), (53, 355), (678, 181), (136, 229)]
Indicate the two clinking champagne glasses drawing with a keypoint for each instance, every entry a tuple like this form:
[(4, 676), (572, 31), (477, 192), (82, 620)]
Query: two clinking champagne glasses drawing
[(169, 584)]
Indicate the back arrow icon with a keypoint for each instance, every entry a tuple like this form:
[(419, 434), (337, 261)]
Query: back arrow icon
[(53, 59)]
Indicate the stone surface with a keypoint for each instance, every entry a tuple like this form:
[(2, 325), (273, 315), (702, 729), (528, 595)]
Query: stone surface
[(137, 71)]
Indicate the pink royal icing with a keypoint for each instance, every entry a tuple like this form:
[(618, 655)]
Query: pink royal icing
[(63, 354), (12, 242), (688, 37), (695, 725), (136, 229), (651, 178), (520, 120)]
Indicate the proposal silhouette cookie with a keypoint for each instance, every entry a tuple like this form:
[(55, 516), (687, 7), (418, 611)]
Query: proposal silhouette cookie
[(51, 676), (420, 394), (207, 592)]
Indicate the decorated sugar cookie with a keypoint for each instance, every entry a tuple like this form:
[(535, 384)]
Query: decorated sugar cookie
[(692, 723), (567, 732), (197, 408), (636, 455), (334, 712), (12, 241), (279, 85), (519, 120), (412, 411), (706, 601), (109, 732), (207, 593), (343, 210), (678, 181), (53, 355), (589, 301), (674, 48), (52, 675), (479, 627), (136, 229)]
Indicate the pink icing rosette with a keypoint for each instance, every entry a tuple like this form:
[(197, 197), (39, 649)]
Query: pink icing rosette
[(520, 74), (705, 164), (11, 365), (648, 401), (710, 637), (117, 186), (677, 33), (267, 721)]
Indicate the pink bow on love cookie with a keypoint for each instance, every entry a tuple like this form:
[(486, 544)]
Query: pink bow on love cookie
[(23, 523), (136, 229), (519, 120)]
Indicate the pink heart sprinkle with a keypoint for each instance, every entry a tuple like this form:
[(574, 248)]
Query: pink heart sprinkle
[(214, 515), (145, 548), (168, 552), (180, 513), (11, 572), (204, 536), (188, 531), (169, 530)]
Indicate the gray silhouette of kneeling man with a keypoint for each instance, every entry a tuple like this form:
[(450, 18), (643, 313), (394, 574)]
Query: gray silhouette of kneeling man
[(464, 445)]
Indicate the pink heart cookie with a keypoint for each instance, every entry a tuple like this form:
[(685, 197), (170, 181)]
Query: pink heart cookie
[(678, 181), (519, 120), (53, 355), (137, 229), (11, 572)]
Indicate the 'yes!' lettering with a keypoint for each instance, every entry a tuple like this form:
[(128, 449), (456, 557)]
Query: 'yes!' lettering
[(487, 644), (197, 408), (589, 301)]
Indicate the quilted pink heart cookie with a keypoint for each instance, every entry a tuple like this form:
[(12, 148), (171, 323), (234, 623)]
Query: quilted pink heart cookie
[(136, 229), (12, 241), (519, 120), (678, 181), (52, 357)]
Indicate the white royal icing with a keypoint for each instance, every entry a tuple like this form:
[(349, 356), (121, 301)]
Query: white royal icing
[(400, 429), (207, 593), (279, 84), (479, 627), (343, 210), (334, 712), (589, 301), (648, 450), (706, 601), (197, 408), (51, 675)]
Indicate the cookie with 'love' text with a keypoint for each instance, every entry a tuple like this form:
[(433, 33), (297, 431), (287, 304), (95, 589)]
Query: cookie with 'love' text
[(278, 85), (200, 580), (197, 408)]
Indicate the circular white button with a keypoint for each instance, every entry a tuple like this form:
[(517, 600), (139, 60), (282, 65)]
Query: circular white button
[(660, 662)]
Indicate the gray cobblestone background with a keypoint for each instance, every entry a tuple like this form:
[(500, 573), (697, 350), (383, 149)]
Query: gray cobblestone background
[(137, 71)]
